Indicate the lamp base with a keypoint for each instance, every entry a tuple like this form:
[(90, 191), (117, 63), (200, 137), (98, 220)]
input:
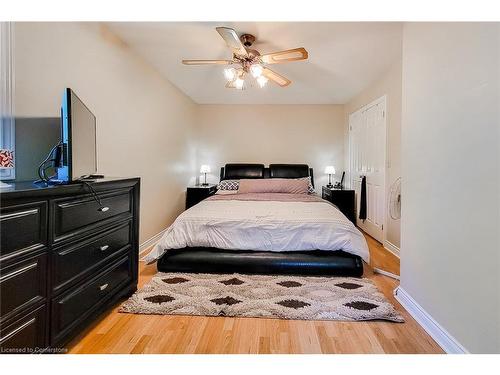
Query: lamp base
[(204, 184), (329, 186)]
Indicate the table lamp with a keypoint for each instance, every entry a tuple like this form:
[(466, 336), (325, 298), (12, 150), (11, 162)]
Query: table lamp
[(329, 170), (205, 169)]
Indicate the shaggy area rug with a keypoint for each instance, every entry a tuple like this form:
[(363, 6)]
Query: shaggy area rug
[(285, 297)]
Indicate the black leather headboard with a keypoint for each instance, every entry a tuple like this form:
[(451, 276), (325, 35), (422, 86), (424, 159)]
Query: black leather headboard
[(288, 170), (241, 171)]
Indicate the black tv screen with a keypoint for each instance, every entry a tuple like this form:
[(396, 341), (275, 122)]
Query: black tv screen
[(78, 137)]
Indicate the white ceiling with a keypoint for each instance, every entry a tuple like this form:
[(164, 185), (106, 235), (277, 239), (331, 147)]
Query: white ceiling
[(344, 58)]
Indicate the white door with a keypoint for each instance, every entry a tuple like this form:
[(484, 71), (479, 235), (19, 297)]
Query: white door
[(367, 140)]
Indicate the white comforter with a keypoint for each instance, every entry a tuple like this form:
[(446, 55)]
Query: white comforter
[(262, 225)]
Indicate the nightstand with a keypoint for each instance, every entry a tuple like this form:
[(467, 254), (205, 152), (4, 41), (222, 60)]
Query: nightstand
[(343, 199), (195, 194)]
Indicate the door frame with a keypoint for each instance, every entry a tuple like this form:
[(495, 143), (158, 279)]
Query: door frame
[(380, 100)]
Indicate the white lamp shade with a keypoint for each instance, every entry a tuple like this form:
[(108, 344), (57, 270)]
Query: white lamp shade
[(205, 169), (330, 169)]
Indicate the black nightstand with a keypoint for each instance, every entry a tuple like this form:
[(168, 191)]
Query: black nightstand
[(195, 194), (343, 199)]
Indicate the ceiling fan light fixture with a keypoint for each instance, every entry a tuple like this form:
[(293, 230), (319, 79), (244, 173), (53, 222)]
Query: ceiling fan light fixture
[(230, 74), (246, 60), (256, 70), (261, 80)]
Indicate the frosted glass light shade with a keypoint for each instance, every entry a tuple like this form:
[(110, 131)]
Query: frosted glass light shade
[(262, 81), (238, 83), (205, 169), (256, 70), (230, 74), (330, 169)]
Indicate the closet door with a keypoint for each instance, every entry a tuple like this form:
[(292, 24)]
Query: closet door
[(367, 140)]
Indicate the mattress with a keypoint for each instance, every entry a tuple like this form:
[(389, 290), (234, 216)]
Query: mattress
[(263, 222)]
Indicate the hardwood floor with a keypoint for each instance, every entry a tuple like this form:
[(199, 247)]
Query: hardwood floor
[(128, 333), (380, 257)]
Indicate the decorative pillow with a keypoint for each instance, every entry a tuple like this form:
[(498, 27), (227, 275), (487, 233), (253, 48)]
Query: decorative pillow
[(310, 188), (228, 185), (274, 185)]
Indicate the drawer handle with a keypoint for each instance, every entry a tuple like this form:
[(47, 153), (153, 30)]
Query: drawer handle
[(103, 286), (18, 329), (104, 247), (103, 209), (18, 272)]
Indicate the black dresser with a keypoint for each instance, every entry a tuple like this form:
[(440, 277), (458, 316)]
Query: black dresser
[(65, 258), (343, 199)]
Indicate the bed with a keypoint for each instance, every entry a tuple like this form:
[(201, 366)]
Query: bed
[(262, 233)]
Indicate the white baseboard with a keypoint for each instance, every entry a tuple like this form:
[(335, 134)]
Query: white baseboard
[(146, 245), (442, 337), (391, 247)]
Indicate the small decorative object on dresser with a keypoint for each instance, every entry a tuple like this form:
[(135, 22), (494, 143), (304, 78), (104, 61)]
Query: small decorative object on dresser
[(6, 162), (68, 253), (195, 194), (343, 199)]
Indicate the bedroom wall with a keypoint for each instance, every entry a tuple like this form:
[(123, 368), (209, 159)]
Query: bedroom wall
[(450, 237), (144, 123), (311, 134), (388, 84)]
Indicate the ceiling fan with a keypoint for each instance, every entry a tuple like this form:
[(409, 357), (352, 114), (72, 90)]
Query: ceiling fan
[(250, 61)]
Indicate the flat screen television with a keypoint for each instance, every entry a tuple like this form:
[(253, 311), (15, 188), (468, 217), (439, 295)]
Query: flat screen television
[(79, 154)]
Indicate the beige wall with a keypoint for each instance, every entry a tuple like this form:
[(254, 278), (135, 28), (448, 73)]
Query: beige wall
[(311, 134), (144, 123), (390, 85), (450, 233)]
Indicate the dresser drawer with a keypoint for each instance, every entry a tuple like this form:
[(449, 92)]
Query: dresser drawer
[(23, 228), (25, 335), (71, 262), (22, 284), (74, 307), (76, 215)]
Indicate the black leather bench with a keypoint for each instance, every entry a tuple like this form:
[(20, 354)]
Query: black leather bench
[(211, 260)]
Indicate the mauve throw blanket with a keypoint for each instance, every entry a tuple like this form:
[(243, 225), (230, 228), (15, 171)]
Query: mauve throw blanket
[(276, 197), (263, 222)]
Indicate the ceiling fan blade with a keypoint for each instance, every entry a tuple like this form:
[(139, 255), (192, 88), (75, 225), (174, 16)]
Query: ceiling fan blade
[(232, 41), (285, 56), (207, 62), (275, 77)]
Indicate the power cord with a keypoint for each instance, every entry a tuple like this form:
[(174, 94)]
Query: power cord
[(93, 192), (42, 168)]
